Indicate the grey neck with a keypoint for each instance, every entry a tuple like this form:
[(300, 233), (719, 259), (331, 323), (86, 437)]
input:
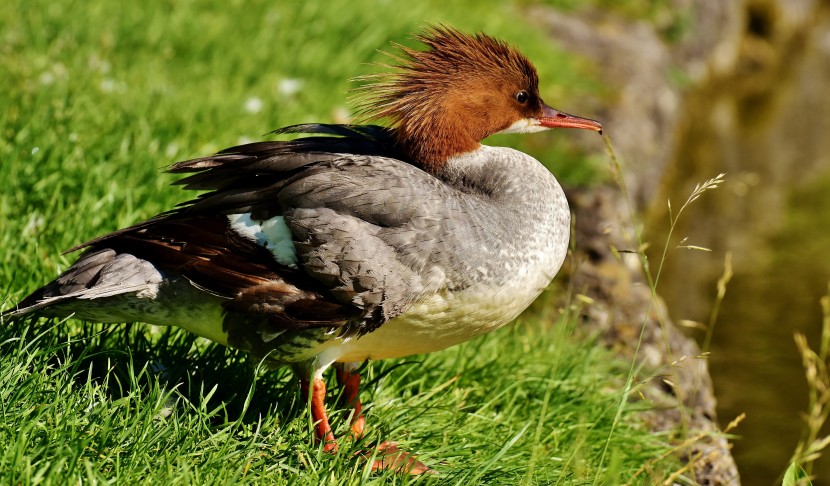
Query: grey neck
[(515, 218)]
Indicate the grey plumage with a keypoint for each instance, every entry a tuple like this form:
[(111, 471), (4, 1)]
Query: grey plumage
[(373, 234)]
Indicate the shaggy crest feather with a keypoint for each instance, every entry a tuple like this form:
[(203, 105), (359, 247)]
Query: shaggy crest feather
[(428, 85)]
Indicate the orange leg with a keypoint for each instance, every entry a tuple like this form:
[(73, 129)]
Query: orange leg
[(350, 381), (388, 455), (322, 429)]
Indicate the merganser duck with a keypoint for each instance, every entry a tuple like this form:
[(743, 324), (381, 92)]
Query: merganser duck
[(359, 243)]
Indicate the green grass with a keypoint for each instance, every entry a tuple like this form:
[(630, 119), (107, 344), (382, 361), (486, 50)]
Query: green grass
[(98, 96), (523, 406)]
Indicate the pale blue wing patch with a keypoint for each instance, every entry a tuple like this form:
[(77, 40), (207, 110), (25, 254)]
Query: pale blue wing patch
[(272, 233)]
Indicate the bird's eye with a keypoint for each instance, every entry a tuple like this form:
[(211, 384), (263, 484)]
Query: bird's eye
[(522, 97)]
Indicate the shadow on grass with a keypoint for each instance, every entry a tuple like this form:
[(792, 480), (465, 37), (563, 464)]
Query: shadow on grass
[(124, 361)]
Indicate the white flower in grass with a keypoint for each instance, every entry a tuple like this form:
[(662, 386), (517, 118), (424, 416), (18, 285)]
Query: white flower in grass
[(289, 87), (253, 105)]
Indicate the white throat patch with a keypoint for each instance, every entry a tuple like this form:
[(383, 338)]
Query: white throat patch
[(524, 125)]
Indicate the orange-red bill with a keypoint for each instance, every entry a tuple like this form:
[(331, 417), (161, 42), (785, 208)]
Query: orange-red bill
[(556, 119)]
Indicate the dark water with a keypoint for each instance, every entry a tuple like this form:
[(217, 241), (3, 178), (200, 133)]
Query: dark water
[(755, 364), (772, 138)]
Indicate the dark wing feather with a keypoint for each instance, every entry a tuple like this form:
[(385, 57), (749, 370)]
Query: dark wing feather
[(241, 175), (224, 264), (235, 164), (335, 204)]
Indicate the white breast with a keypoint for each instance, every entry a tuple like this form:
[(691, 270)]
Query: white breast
[(440, 321)]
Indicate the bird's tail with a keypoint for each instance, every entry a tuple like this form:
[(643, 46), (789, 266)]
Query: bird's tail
[(98, 273)]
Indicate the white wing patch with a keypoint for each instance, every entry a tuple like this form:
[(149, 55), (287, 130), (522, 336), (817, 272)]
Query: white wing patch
[(272, 233)]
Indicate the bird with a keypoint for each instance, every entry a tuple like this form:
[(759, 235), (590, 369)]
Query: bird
[(350, 242)]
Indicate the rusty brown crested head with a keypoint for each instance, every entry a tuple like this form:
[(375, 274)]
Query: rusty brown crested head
[(444, 100)]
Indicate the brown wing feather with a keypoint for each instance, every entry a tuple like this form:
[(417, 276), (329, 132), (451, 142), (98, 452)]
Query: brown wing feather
[(195, 241), (217, 260)]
